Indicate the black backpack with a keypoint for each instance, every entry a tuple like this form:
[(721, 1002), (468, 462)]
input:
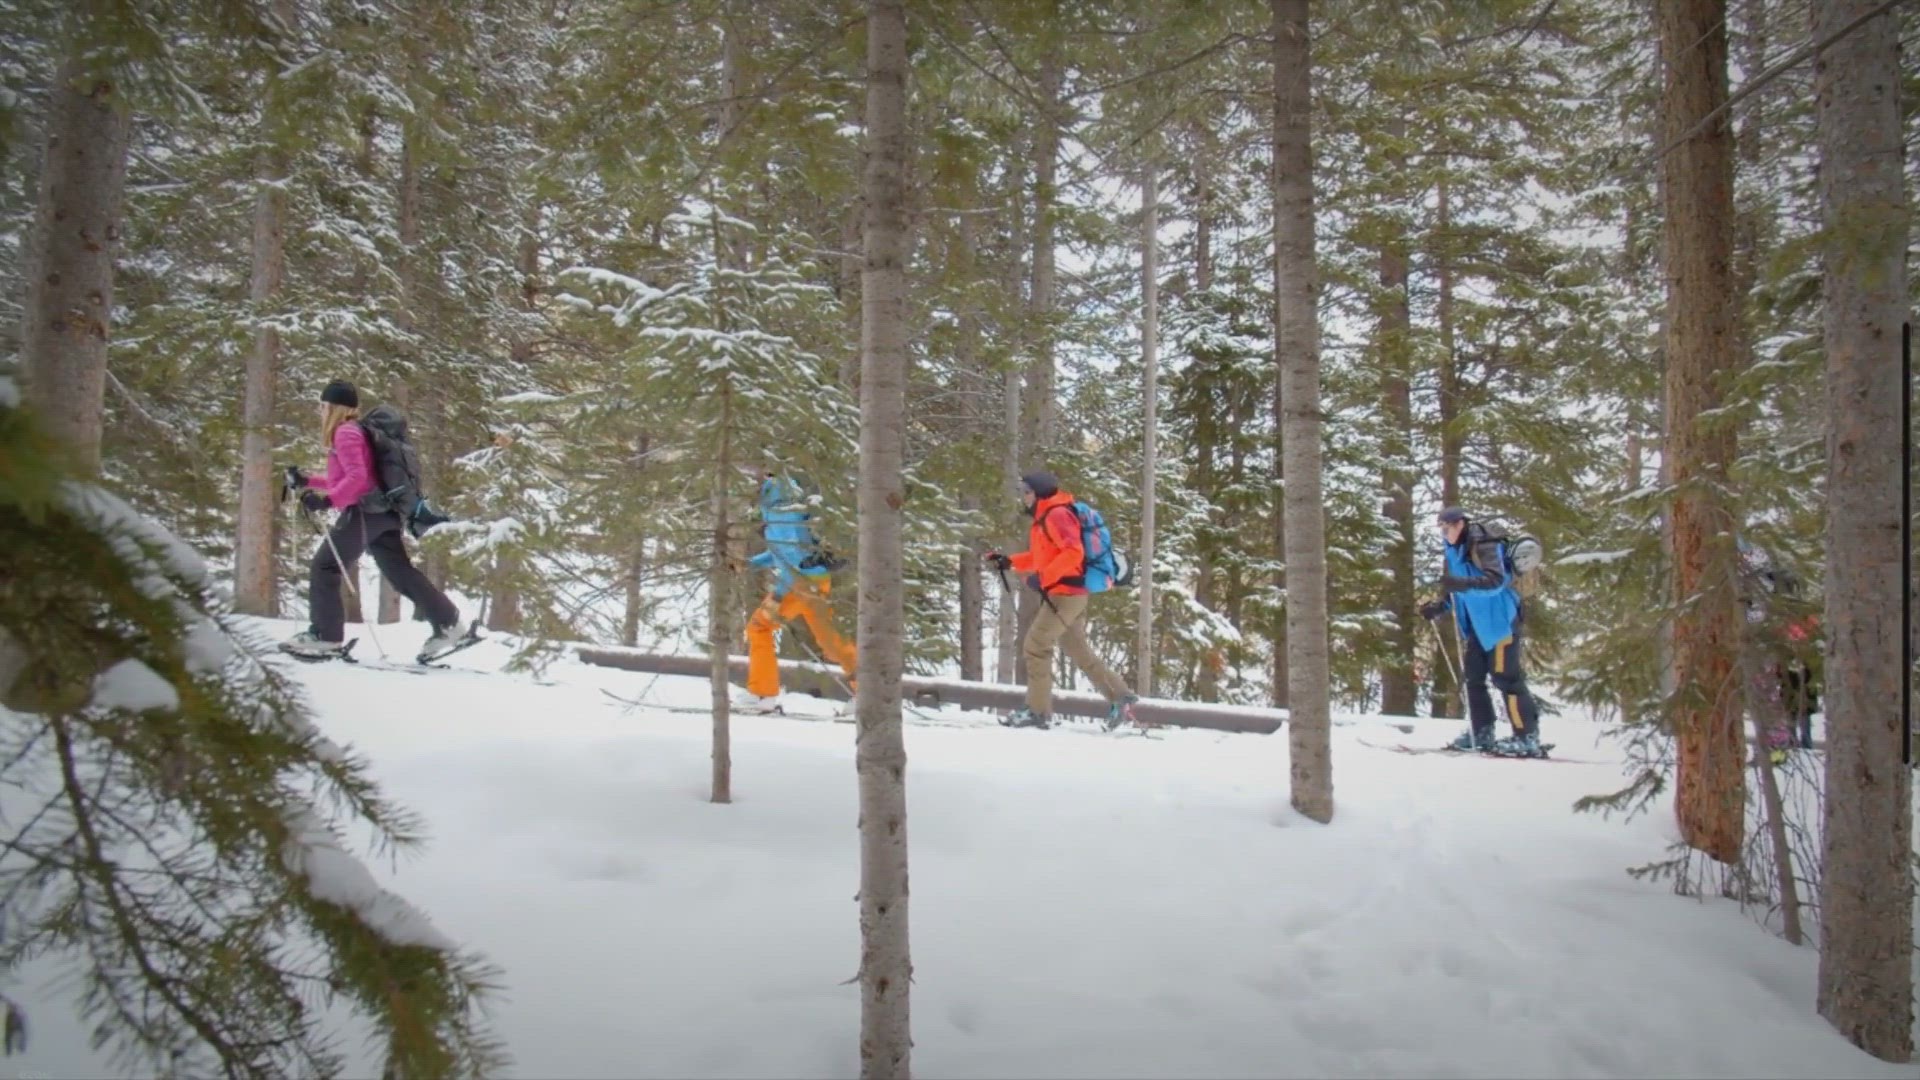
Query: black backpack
[(396, 472)]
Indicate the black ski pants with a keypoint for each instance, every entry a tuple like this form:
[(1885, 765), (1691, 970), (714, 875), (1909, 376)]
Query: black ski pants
[(357, 532), (1501, 666)]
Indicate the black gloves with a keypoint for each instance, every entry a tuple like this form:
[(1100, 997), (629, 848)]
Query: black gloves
[(998, 561), (1433, 609), (291, 481), (1033, 582), (313, 500)]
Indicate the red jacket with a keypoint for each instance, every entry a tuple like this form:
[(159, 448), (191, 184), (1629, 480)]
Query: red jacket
[(1054, 548)]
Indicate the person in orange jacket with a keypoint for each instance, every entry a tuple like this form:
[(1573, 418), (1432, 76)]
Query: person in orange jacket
[(1055, 567)]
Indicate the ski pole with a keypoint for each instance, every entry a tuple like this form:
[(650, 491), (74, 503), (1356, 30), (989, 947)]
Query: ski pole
[(1440, 643)]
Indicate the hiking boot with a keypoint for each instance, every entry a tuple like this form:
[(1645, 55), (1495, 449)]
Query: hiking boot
[(1121, 712), (1471, 740), (1527, 745), (1025, 717), (306, 643)]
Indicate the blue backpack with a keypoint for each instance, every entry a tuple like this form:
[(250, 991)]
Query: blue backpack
[(1106, 567)]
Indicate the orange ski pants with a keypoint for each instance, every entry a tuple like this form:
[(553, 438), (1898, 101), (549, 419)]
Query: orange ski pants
[(805, 601)]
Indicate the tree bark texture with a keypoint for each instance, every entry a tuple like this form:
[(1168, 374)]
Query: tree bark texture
[(1041, 409), (254, 591), (76, 232), (1394, 344), (1297, 352), (1703, 348), (880, 755), (1150, 396), (720, 608), (1866, 949)]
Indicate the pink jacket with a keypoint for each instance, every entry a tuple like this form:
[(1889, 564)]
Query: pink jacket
[(349, 467)]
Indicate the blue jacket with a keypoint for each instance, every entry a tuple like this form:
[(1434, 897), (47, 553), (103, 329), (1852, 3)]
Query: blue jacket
[(1490, 607), (791, 547)]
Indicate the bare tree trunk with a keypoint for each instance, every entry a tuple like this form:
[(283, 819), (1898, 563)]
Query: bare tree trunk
[(635, 575), (886, 965), (1010, 666), (1398, 688), (1150, 394), (1297, 352), (413, 294), (76, 233), (1866, 948), (253, 577), (1450, 442), (1702, 352), (1038, 437), (720, 607), (972, 607)]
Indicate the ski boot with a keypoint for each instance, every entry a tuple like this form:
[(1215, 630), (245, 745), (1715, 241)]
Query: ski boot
[(307, 646), (756, 704), (1121, 712), (1471, 741), (445, 641), (1025, 717), (1527, 745)]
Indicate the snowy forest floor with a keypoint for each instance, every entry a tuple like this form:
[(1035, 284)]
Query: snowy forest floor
[(1083, 904)]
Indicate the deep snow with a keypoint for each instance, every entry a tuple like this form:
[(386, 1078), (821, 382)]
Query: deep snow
[(1083, 904)]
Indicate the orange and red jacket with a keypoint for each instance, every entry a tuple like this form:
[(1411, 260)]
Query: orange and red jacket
[(1054, 550)]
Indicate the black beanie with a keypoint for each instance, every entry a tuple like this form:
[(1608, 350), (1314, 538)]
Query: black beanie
[(341, 392), (1452, 514), (1041, 483)]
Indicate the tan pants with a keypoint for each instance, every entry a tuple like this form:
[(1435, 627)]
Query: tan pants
[(1063, 617)]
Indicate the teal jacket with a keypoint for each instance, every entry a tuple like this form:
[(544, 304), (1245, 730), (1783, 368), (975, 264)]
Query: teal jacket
[(792, 549), (1481, 593)]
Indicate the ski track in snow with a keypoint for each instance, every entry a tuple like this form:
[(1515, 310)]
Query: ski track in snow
[(1112, 907)]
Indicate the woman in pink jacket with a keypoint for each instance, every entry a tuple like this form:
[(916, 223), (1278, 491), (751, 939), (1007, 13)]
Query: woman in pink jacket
[(349, 478)]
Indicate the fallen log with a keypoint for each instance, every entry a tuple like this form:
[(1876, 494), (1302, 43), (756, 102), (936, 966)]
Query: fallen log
[(822, 681)]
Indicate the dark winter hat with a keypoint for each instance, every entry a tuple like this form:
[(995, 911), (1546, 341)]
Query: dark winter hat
[(341, 392), (1452, 514), (1041, 483)]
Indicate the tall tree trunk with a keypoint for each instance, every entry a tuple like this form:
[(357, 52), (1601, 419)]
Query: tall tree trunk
[(1150, 394), (254, 591), (413, 296), (1041, 409), (1398, 687), (1702, 352), (1297, 352), (1203, 212), (1011, 665), (635, 576), (1451, 444), (720, 606), (76, 233), (1866, 949), (886, 966)]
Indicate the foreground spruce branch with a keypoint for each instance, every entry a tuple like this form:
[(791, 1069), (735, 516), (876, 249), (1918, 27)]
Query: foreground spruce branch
[(169, 814)]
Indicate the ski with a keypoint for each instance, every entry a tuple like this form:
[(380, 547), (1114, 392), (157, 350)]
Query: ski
[(1402, 748)]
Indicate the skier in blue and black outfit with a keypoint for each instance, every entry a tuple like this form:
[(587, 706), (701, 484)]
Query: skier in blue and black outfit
[(1487, 609)]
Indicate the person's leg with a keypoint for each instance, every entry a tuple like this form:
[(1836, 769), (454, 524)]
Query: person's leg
[(763, 667), (819, 618), (390, 554), (1510, 678), (1479, 702), (1074, 609), (326, 614), (1045, 632)]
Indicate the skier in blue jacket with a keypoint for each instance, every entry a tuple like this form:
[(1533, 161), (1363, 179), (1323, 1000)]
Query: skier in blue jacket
[(1487, 610)]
